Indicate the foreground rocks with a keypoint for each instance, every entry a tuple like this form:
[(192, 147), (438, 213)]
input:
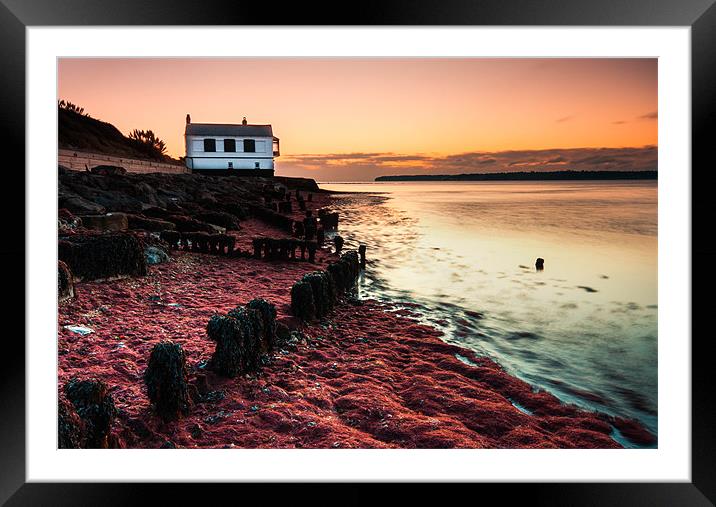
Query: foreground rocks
[(102, 256)]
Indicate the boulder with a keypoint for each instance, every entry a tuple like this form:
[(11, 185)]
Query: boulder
[(166, 380), (65, 282), (111, 199), (67, 222), (155, 255), (108, 170), (101, 256), (221, 219), (187, 224), (110, 222), (95, 406), (142, 223), (78, 205)]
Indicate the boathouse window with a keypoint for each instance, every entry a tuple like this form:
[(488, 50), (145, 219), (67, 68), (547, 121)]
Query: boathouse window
[(209, 144), (249, 145), (230, 145), (256, 165), (231, 165)]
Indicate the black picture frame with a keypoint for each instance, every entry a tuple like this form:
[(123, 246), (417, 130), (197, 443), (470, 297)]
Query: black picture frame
[(700, 15)]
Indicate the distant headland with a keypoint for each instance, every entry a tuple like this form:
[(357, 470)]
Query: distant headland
[(527, 176)]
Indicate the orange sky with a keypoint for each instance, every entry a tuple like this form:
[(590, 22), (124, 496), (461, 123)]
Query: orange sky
[(440, 107)]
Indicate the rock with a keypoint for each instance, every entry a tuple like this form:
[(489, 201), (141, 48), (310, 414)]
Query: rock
[(187, 224), (236, 209), (94, 405), (283, 334), (100, 256), (79, 205), (539, 264), (138, 222), (113, 199), (166, 380), (113, 222), (67, 222), (222, 219), (70, 428), (155, 255), (108, 170), (65, 282), (302, 303)]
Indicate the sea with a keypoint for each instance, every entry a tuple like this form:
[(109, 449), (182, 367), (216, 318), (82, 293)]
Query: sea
[(462, 256)]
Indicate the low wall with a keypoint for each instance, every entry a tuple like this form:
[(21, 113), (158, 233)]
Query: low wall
[(79, 160)]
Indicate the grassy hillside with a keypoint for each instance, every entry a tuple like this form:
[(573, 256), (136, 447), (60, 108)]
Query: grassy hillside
[(80, 132)]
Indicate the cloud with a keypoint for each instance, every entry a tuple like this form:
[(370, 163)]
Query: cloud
[(654, 115), (564, 118), (366, 166), (619, 122)]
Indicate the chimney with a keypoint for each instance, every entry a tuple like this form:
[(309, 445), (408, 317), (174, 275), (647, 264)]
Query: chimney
[(244, 122), (188, 119)]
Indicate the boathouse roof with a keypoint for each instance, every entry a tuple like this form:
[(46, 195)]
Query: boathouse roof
[(227, 129)]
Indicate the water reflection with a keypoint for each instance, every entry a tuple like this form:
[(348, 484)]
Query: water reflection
[(584, 327)]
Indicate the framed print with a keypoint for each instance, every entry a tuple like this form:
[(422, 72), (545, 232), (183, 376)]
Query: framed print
[(446, 243)]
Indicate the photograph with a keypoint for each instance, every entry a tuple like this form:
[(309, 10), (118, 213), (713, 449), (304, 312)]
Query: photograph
[(357, 253)]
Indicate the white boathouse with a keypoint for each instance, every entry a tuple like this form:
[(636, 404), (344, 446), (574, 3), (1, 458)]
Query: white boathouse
[(220, 148)]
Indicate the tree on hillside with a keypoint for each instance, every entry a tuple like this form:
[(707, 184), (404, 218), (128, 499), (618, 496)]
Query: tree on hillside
[(149, 142), (69, 106)]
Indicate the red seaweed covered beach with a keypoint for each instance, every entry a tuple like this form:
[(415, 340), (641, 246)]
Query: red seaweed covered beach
[(367, 375)]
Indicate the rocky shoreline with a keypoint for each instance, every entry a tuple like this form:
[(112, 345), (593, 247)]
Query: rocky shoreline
[(343, 373)]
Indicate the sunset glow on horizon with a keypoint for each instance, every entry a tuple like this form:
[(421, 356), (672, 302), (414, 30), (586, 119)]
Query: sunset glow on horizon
[(357, 118)]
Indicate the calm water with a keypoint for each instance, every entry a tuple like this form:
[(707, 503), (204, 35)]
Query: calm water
[(463, 254)]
